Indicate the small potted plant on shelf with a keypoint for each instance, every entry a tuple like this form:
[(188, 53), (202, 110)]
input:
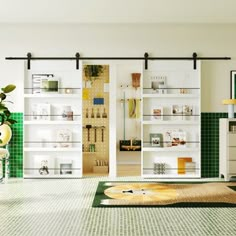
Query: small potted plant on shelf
[(92, 72), (5, 115)]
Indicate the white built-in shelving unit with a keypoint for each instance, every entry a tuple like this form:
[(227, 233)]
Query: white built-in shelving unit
[(170, 139), (52, 140)]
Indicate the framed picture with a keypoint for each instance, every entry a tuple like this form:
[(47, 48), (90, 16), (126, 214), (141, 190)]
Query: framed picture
[(157, 113), (158, 84), (156, 140), (65, 166), (177, 112), (43, 165), (41, 111), (187, 112), (233, 84), (178, 138), (168, 138), (50, 85), (64, 138), (36, 81)]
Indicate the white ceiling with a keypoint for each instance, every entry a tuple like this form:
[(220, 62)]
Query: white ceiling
[(117, 11)]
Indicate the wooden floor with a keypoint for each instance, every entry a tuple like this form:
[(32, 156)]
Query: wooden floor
[(128, 170), (122, 171)]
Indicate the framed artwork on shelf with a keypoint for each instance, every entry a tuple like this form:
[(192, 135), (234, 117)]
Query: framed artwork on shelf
[(43, 165), (157, 113), (156, 140), (158, 84), (233, 84), (187, 112), (63, 138), (177, 112), (168, 139), (64, 166), (50, 85), (41, 111), (178, 138), (36, 81)]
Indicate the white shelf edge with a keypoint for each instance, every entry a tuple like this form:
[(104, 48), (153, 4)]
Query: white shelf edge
[(50, 122), (52, 176), (181, 122), (170, 149), (153, 95), (52, 95), (184, 176), (52, 150)]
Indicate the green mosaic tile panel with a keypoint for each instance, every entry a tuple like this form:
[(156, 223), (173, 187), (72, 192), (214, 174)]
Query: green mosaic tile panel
[(16, 147), (210, 143)]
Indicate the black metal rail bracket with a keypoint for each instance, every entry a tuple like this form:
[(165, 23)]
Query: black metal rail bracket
[(146, 57), (77, 56)]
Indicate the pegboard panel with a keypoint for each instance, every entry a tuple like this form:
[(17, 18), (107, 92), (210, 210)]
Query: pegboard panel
[(95, 115)]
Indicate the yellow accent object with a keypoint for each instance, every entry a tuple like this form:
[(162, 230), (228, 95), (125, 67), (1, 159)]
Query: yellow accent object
[(85, 94), (181, 164), (5, 134), (134, 108), (229, 102)]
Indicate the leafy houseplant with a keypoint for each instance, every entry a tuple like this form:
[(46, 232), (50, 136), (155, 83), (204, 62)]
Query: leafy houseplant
[(92, 72), (5, 114)]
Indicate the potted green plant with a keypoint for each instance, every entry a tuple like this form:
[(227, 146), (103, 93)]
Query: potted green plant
[(5, 115), (92, 72)]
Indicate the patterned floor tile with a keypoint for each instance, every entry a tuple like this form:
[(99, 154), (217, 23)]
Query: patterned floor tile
[(63, 207)]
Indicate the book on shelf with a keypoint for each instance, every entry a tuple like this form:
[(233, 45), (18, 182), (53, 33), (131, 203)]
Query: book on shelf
[(157, 113), (182, 164), (182, 112), (41, 111), (175, 138)]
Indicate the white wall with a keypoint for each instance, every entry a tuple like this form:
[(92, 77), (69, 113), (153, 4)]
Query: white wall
[(133, 40), (12, 72)]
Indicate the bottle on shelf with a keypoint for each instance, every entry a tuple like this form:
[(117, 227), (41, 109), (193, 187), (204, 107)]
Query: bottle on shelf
[(67, 113)]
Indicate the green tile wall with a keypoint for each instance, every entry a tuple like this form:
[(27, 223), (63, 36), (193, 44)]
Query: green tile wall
[(209, 145), (16, 147)]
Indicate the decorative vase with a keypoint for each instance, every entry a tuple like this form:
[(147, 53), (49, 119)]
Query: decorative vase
[(136, 80), (5, 134), (67, 113)]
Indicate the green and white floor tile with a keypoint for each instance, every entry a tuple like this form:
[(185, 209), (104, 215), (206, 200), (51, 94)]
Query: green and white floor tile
[(63, 207)]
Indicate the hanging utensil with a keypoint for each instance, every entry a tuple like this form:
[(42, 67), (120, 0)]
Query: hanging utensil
[(95, 134), (98, 113), (88, 127), (104, 114), (103, 127)]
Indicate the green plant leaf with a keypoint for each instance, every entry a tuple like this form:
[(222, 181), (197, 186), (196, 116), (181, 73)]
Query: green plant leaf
[(2, 96), (2, 118), (9, 88), (7, 113), (11, 121), (2, 108), (0, 141)]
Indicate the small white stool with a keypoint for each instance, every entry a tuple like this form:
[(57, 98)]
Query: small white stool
[(4, 154)]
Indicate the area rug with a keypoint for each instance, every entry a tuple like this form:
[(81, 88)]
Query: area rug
[(155, 194)]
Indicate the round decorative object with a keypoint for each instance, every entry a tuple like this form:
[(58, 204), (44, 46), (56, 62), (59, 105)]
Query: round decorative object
[(5, 134), (68, 90)]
